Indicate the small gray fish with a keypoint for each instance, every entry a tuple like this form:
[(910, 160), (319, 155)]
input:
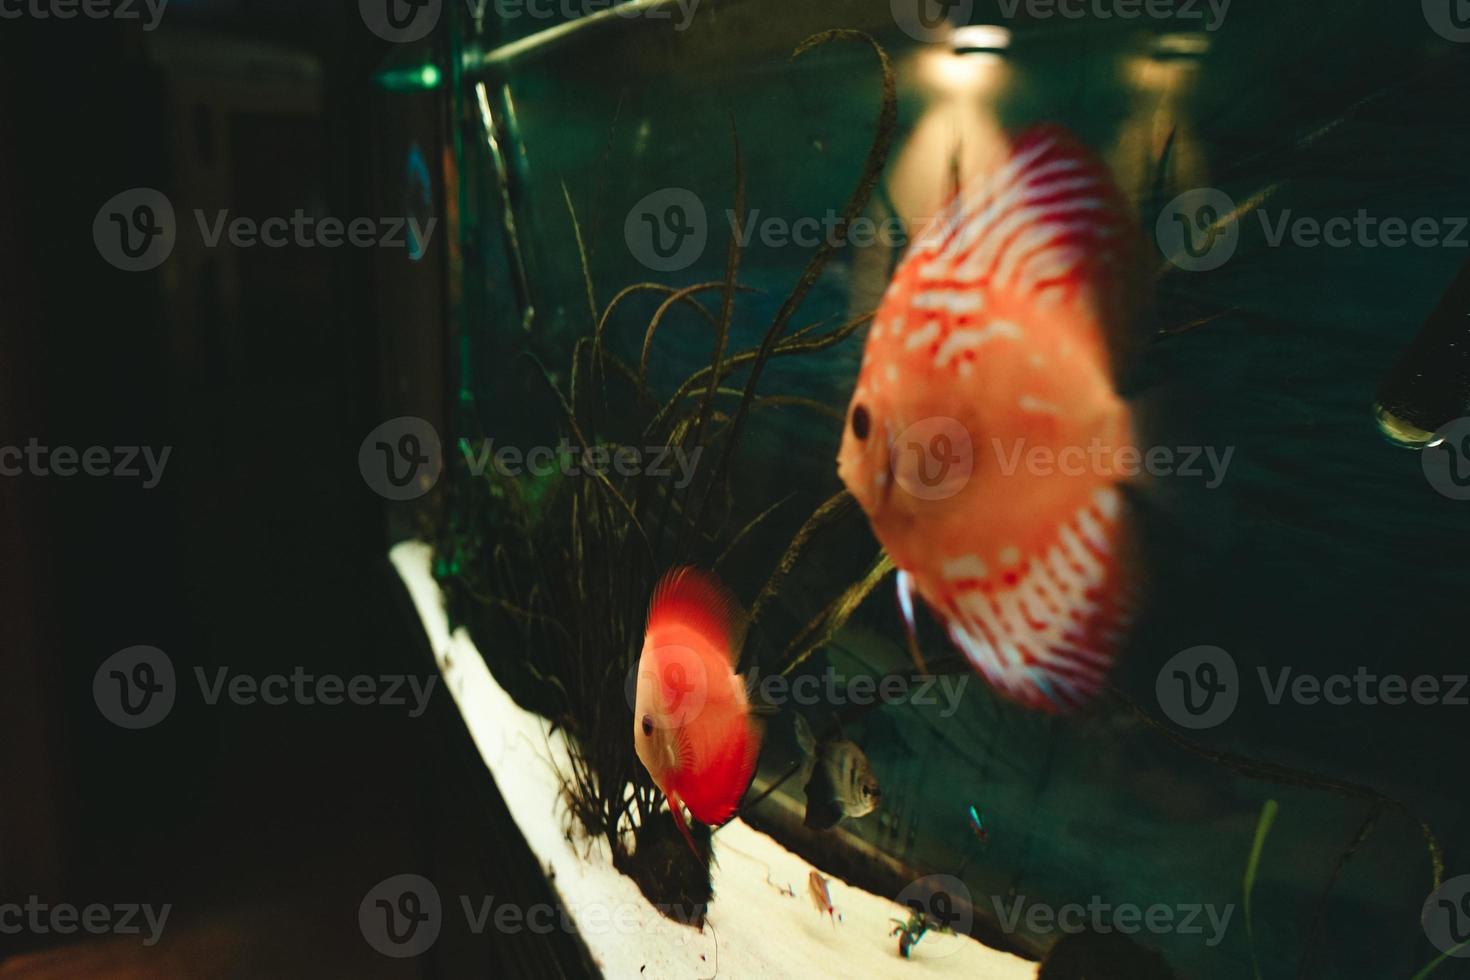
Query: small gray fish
[(842, 783)]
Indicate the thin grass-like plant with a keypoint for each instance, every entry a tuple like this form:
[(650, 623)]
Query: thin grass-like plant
[(566, 566), (1252, 868)]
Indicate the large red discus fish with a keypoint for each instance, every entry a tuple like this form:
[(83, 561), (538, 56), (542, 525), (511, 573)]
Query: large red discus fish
[(983, 432), (691, 720)]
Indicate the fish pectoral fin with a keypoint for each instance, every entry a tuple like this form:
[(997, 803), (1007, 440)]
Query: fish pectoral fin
[(681, 750), (822, 813), (822, 809), (906, 607)]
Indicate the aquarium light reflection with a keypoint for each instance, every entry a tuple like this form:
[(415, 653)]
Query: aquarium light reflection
[(980, 39), (1171, 59), (949, 75), (482, 61), (1181, 44), (1402, 433)]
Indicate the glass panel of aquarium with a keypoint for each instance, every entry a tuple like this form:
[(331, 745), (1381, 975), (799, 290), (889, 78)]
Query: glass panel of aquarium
[(1055, 405)]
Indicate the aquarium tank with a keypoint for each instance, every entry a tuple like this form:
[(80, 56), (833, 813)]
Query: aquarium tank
[(1030, 430)]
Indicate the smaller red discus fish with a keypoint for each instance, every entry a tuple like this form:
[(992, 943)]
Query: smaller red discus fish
[(691, 720), (990, 351)]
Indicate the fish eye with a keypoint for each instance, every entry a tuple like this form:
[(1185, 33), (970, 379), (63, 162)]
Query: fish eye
[(861, 421), (648, 725)]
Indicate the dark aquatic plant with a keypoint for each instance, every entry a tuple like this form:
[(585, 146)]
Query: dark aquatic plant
[(567, 565), (915, 928)]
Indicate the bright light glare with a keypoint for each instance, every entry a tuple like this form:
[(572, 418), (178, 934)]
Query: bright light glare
[(949, 75), (980, 38), (1182, 45)]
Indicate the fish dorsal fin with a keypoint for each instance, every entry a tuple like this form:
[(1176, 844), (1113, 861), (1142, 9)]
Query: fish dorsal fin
[(1048, 225), (804, 737), (698, 601)]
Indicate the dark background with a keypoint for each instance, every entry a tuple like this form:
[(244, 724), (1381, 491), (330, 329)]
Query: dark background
[(262, 549)]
